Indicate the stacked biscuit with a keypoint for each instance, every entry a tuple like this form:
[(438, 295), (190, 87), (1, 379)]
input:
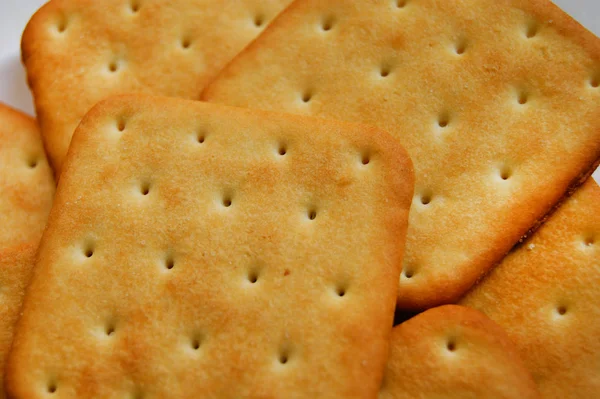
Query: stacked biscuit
[(249, 192)]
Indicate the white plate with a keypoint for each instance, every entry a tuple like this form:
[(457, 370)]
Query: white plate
[(14, 15)]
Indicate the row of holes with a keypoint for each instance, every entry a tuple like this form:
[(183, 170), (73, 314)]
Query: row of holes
[(226, 201), (587, 241), (258, 20), (385, 71), (444, 119), (253, 275), (201, 138), (327, 25), (426, 196), (530, 32), (283, 358)]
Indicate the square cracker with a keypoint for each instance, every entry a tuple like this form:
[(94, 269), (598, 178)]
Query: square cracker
[(26, 181), (78, 52), (546, 295), (454, 352), (195, 250), (496, 101)]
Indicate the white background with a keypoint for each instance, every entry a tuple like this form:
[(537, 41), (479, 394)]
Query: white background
[(14, 15)]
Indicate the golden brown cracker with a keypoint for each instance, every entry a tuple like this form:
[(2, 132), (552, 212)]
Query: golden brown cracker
[(26, 181), (15, 270), (546, 295), (454, 352), (196, 251), (496, 101), (78, 52)]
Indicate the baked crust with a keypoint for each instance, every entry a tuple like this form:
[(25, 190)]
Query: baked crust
[(454, 352), (15, 270), (197, 250), (26, 181), (545, 294), (497, 103), (78, 52)]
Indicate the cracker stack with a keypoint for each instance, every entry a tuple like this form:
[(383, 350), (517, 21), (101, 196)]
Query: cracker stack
[(259, 243)]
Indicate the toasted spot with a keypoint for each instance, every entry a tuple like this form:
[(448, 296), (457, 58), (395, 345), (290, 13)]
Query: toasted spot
[(282, 150), (307, 96), (121, 125), (327, 24), (561, 310), (523, 97), (531, 29), (186, 43), (259, 20), (113, 66), (169, 262), (52, 387), (460, 47), (400, 3), (253, 276), (134, 6), (505, 172), (451, 345)]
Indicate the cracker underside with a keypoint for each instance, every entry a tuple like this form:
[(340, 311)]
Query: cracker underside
[(454, 352), (497, 102), (93, 49), (202, 251), (545, 294)]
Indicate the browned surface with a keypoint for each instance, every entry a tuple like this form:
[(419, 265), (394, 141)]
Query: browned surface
[(78, 52), (546, 295), (15, 271), (200, 251), (454, 352), (496, 101), (26, 182)]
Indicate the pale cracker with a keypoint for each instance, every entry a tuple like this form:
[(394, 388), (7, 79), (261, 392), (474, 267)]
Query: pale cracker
[(201, 251), (546, 295), (78, 52), (15, 270), (26, 181), (496, 101), (454, 352)]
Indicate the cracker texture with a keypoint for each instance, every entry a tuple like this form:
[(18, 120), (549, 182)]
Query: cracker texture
[(454, 352), (545, 294), (26, 181), (15, 271), (496, 101), (196, 251), (78, 52)]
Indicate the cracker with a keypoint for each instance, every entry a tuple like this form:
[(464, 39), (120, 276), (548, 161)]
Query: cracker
[(545, 294), (26, 181), (15, 270), (219, 252), (454, 352), (77, 52), (497, 103)]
